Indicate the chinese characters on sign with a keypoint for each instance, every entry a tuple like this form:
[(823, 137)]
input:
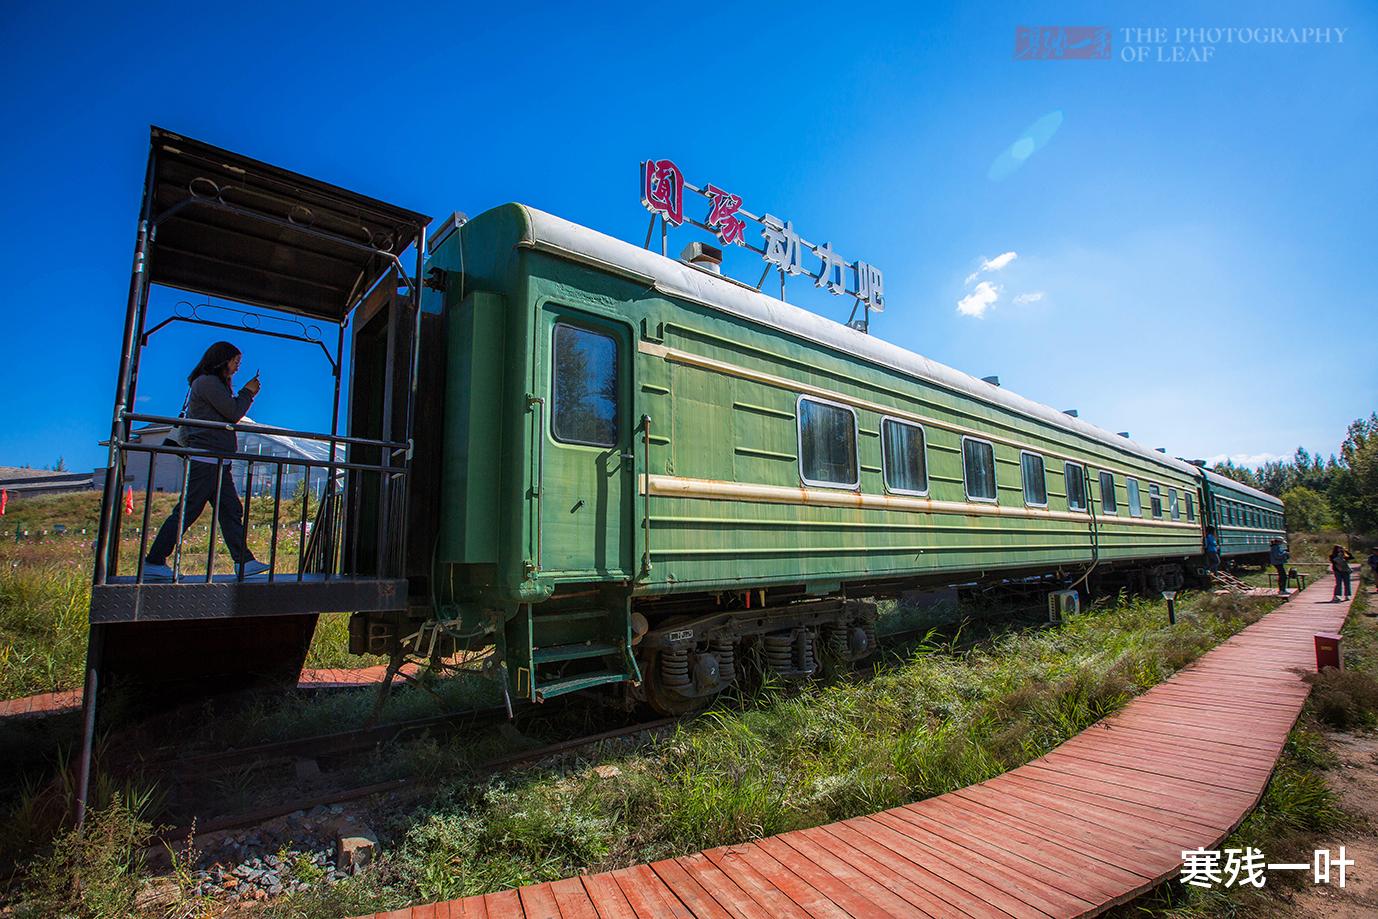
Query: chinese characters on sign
[(1246, 867), (782, 248)]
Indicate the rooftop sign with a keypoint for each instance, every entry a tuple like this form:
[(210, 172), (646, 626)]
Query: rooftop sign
[(782, 248)]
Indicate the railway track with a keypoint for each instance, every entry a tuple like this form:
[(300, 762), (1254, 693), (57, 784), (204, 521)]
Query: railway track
[(341, 744), (340, 795)]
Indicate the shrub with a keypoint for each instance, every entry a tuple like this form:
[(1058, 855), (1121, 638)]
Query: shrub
[(95, 874), (1344, 699)]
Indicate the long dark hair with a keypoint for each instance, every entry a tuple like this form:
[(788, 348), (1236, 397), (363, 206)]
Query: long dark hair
[(215, 362)]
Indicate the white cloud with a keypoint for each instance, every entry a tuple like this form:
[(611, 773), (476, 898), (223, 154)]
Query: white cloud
[(1252, 460), (1033, 297), (1000, 261), (990, 264), (982, 298)]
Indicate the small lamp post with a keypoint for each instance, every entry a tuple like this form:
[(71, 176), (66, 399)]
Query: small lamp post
[(1171, 597)]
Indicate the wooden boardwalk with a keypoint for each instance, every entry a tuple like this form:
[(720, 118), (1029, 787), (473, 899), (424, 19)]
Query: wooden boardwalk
[(1097, 821)]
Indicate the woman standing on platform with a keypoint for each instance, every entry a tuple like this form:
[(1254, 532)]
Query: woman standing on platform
[(209, 481), (1339, 563)]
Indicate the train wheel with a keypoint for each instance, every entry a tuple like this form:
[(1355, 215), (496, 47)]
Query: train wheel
[(662, 698)]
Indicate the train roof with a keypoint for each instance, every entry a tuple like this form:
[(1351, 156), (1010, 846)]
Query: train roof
[(675, 278), (1224, 481)]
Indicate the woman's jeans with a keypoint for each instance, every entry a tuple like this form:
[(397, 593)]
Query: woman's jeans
[(1342, 580), (201, 481)]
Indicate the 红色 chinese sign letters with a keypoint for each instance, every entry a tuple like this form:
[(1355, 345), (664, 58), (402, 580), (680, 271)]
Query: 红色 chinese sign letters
[(662, 193)]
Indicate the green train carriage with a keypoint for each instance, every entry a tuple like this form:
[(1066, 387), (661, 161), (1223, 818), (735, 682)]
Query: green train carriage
[(611, 466), (647, 469), (1246, 520)]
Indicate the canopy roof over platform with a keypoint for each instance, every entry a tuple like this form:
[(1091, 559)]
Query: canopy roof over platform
[(234, 227)]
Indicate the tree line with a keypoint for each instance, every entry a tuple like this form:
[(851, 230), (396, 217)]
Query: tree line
[(1321, 494)]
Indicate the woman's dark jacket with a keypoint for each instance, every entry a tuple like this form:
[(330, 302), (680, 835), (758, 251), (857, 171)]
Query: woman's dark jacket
[(212, 400)]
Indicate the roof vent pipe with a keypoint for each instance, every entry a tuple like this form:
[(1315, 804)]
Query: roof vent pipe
[(702, 255)]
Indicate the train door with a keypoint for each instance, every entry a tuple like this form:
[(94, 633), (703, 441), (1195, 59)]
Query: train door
[(588, 472)]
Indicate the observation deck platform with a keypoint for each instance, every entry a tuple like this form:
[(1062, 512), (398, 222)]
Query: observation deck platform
[(226, 596), (1097, 821)]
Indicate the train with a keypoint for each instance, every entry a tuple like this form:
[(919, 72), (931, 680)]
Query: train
[(605, 466)]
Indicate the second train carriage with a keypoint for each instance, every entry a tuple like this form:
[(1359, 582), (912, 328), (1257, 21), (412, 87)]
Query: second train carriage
[(1246, 520)]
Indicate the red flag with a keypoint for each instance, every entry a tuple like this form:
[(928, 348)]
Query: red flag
[(128, 500), (4, 499)]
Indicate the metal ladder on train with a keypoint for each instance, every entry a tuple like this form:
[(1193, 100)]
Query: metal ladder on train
[(1231, 583)]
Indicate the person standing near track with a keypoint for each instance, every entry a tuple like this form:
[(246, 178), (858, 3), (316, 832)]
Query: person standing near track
[(1277, 557), (1339, 564), (209, 481)]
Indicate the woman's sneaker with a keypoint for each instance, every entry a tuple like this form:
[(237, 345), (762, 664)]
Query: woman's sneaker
[(251, 568), (154, 572)]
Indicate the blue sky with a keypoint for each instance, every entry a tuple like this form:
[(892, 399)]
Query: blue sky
[(1191, 243)]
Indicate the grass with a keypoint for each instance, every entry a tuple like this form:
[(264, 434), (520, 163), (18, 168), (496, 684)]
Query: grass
[(941, 717), (45, 585)]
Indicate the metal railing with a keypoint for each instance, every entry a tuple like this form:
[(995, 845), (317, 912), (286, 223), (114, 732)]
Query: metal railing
[(353, 528)]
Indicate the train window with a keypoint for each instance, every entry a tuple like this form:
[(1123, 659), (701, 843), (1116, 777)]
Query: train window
[(978, 469), (1035, 479), (1155, 500), (584, 401), (1136, 502), (827, 444), (903, 454), (1174, 508), (1191, 506), (1108, 502), (1075, 478)]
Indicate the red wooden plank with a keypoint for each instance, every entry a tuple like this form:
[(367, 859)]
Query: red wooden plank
[(819, 882), (1186, 761), (1132, 736), (1182, 793), (424, 911), (926, 892), (891, 849), (1001, 856), (690, 892), (1105, 841), (1083, 871), (607, 897), (794, 899), (1077, 790), (648, 894), (538, 902), (1206, 775), (573, 900), (1135, 734), (468, 908), (805, 858), (726, 891), (1088, 808), (505, 904)]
